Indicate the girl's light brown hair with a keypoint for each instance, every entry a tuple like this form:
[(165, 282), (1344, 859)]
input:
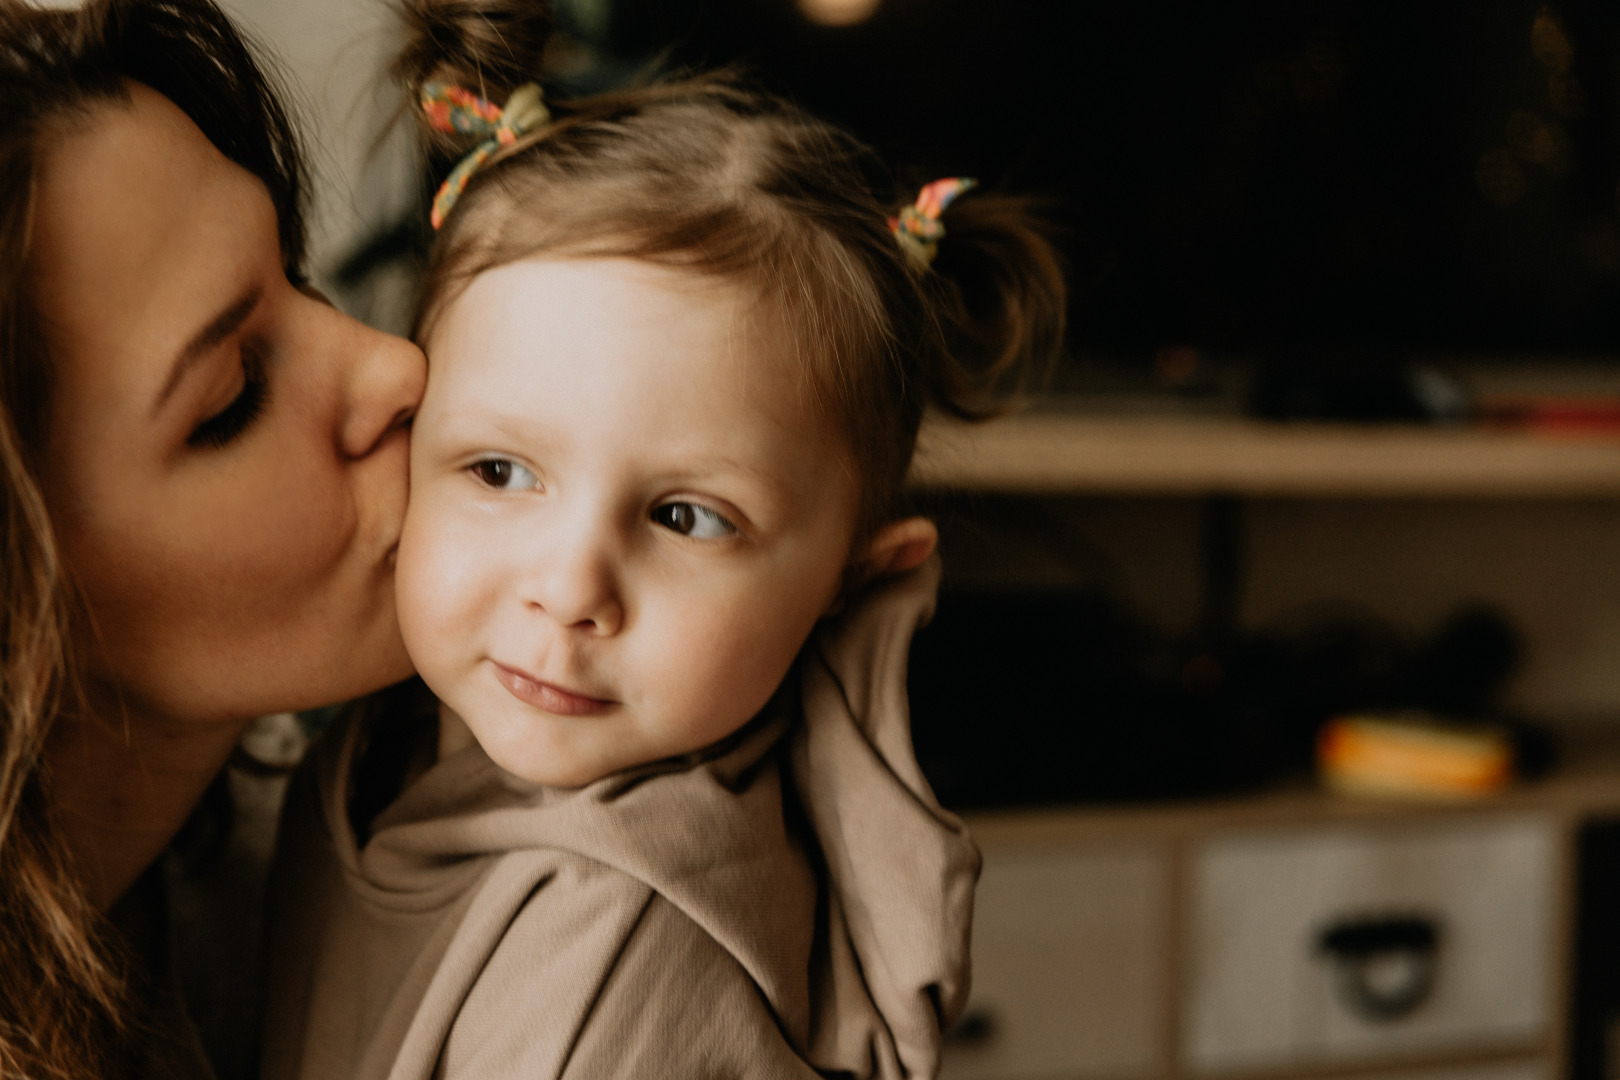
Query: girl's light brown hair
[(711, 175), (65, 1008)]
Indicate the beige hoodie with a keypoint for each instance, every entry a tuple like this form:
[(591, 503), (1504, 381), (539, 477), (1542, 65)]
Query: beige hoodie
[(793, 903)]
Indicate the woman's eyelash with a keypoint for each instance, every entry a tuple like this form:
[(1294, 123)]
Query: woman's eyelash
[(225, 426)]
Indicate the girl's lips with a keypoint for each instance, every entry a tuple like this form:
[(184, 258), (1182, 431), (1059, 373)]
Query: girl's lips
[(543, 695)]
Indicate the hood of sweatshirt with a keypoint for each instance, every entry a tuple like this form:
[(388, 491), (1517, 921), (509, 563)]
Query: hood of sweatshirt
[(808, 845)]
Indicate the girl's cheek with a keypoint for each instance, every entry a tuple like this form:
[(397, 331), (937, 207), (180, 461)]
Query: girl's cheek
[(450, 566), (423, 579)]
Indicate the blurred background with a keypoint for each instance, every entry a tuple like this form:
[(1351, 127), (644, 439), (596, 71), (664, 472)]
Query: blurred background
[(1328, 481), (1256, 176)]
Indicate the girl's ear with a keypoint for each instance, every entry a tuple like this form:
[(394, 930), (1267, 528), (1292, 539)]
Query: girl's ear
[(899, 546)]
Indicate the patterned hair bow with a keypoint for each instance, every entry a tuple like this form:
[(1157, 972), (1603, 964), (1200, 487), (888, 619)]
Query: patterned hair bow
[(459, 110), (918, 227)]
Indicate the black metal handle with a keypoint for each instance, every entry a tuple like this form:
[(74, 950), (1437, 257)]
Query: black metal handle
[(976, 1028), (1384, 965)]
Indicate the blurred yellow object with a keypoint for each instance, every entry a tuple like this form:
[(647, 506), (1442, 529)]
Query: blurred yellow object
[(838, 12), (1412, 756)]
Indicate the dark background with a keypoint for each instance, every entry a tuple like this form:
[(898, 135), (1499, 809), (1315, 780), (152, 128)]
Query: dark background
[(1245, 176)]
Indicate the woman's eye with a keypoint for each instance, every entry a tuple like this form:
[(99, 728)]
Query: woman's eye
[(223, 428), (690, 519), (504, 474)]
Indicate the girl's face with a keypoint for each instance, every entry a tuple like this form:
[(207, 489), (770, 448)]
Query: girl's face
[(624, 519), (225, 458)]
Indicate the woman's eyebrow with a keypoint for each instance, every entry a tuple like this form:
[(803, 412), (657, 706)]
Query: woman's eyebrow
[(219, 328)]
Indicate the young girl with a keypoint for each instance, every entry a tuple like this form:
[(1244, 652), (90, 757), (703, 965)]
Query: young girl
[(660, 815)]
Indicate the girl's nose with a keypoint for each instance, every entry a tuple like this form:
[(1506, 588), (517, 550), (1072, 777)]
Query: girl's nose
[(577, 585), (386, 376)]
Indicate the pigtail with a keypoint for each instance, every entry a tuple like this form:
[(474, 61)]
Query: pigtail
[(998, 293), (490, 47)]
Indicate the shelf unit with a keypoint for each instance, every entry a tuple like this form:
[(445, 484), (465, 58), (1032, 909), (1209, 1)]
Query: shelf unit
[(1095, 933), (1053, 452)]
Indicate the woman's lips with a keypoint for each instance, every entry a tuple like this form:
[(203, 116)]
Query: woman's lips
[(546, 696)]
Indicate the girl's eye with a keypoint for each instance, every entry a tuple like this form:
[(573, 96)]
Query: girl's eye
[(690, 519), (504, 474), (223, 428)]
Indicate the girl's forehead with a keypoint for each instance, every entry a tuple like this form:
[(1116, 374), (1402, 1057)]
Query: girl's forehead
[(622, 377), (594, 319), (623, 338)]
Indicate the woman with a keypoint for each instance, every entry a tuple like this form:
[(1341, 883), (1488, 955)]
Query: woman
[(202, 476)]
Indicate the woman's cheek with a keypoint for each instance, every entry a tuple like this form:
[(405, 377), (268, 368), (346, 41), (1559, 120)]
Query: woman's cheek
[(295, 522)]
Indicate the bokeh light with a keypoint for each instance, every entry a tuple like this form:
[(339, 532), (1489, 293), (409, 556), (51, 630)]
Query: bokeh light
[(838, 12), (1500, 179)]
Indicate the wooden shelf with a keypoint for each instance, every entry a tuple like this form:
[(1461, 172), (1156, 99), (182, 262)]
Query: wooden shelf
[(1041, 452), (1586, 787)]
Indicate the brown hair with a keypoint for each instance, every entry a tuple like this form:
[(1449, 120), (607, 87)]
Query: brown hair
[(710, 174), (63, 1001)]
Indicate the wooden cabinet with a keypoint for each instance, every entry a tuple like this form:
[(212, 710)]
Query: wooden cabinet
[(1189, 941), (1263, 989), (1069, 963)]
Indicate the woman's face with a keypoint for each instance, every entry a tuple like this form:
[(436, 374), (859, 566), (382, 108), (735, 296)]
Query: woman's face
[(225, 454)]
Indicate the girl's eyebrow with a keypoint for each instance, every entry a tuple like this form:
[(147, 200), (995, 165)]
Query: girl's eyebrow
[(220, 327)]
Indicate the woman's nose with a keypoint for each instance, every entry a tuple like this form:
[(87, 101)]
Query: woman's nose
[(386, 376)]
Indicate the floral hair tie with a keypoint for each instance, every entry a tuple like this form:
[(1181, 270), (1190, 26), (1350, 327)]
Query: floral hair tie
[(918, 227), (457, 110)]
